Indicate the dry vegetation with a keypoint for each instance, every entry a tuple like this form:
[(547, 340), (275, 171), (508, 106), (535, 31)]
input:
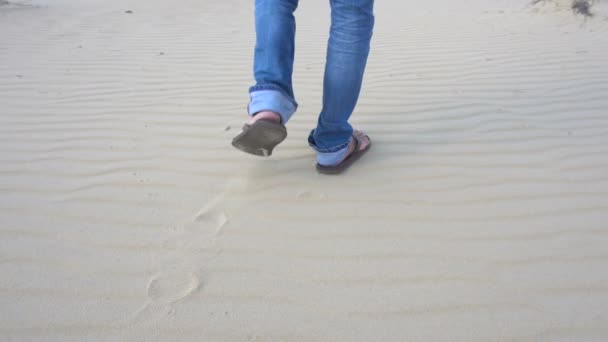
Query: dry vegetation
[(582, 7)]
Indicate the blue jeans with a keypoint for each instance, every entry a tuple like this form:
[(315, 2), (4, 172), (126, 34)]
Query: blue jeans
[(352, 22)]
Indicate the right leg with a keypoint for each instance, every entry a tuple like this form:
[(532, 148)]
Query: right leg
[(273, 59), (352, 23)]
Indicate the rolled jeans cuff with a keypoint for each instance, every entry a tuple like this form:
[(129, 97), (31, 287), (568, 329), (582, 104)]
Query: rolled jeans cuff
[(329, 156), (273, 101)]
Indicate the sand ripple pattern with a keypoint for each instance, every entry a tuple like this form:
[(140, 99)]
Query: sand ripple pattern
[(125, 215)]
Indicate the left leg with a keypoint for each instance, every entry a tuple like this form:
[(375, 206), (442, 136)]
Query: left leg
[(272, 100), (275, 28)]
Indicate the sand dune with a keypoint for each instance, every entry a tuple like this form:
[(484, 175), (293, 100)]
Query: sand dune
[(125, 214)]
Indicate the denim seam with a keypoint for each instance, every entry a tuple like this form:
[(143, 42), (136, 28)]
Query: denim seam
[(331, 149), (337, 148), (259, 87)]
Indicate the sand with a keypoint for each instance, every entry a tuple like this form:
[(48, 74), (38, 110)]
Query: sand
[(479, 215)]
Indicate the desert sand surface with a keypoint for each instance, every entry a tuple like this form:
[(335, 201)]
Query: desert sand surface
[(480, 214)]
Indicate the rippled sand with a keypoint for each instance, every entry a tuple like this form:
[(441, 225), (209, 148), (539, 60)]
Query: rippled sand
[(481, 213)]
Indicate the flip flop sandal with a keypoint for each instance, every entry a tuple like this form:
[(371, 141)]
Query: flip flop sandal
[(260, 138), (348, 161)]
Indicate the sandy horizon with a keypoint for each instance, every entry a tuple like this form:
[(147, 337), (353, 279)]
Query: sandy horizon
[(480, 214)]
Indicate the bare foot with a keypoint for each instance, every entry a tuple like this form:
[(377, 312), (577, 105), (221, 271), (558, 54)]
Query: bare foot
[(261, 134), (364, 142), (358, 140), (265, 115)]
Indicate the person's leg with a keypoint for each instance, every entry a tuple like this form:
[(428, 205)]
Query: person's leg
[(273, 60), (352, 22), (272, 101)]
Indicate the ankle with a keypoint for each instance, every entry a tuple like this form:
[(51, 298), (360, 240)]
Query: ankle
[(266, 115)]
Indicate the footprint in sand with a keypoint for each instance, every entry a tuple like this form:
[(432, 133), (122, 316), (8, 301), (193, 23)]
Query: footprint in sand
[(204, 229), (195, 237), (212, 218), (171, 287), (309, 195)]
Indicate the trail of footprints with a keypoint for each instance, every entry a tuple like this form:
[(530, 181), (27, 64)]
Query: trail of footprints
[(182, 266)]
